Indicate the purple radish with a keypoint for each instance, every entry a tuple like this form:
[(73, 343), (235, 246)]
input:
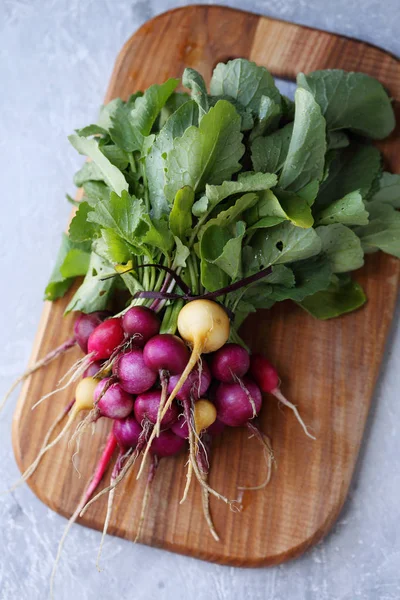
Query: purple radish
[(111, 400), (167, 444), (180, 428), (127, 432), (237, 403), (230, 363), (85, 325), (133, 374), (141, 323), (93, 369), (167, 355), (147, 408), (196, 384)]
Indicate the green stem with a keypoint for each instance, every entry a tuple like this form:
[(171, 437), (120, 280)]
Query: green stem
[(170, 320), (235, 338)]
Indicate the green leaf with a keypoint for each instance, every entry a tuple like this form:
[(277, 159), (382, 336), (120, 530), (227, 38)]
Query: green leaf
[(180, 218), (58, 285), (342, 296), (175, 101), (246, 116), (303, 279), (306, 155), (94, 293), (200, 206), (148, 106), (383, 230), (268, 154), (349, 210), (352, 101), (76, 263), (88, 172), (174, 127), (123, 131), (209, 153), (158, 235), (269, 115), (212, 277), (309, 192), (112, 176), (272, 209), (389, 190), (195, 82), (80, 229), (337, 140), (296, 208), (226, 217), (353, 168), (123, 214), (182, 253), (244, 81), (71, 261), (246, 182), (117, 157), (96, 191), (220, 248), (117, 250), (130, 123), (284, 243), (90, 130), (342, 247)]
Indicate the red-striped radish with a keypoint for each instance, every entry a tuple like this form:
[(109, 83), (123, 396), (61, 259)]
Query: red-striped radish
[(105, 339)]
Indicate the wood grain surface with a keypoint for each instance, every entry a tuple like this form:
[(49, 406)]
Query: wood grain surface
[(328, 368)]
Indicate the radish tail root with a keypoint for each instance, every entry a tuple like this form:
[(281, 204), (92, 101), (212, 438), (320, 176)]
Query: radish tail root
[(38, 365), (146, 496), (79, 431), (115, 472), (129, 463), (246, 391), (74, 373), (202, 457), (264, 440), (47, 445), (164, 379), (192, 456), (102, 465), (188, 412), (278, 394)]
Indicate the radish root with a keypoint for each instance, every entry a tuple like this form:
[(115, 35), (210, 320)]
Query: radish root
[(129, 463), (75, 372), (278, 394), (146, 496), (164, 379), (45, 446), (38, 365), (110, 502), (102, 465)]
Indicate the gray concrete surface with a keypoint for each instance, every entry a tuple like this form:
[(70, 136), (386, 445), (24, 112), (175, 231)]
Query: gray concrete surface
[(56, 58)]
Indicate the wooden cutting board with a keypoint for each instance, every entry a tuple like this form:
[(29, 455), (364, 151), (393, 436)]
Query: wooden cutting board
[(328, 368)]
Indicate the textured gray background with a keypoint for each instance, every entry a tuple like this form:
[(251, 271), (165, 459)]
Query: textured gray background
[(56, 58)]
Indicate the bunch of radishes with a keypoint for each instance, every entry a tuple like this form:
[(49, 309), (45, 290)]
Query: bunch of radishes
[(163, 393)]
